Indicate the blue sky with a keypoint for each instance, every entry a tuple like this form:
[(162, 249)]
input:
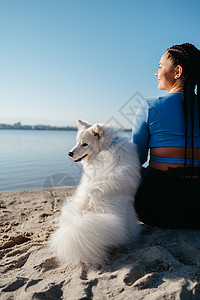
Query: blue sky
[(62, 60)]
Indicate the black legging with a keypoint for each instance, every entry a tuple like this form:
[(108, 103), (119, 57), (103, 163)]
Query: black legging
[(168, 202)]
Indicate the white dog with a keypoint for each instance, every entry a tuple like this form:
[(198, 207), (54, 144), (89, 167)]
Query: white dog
[(101, 214)]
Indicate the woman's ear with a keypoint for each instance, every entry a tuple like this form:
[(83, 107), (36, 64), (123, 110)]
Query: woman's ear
[(178, 72)]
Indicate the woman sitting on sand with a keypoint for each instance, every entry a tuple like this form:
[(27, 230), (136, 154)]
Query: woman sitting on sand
[(169, 195)]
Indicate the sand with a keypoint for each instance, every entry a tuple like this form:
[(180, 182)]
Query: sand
[(163, 264)]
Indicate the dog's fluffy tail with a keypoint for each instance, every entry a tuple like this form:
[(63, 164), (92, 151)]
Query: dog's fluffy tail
[(87, 240)]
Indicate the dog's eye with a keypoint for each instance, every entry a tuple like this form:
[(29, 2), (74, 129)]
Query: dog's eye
[(84, 144)]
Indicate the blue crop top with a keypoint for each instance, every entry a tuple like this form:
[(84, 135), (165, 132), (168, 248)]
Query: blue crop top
[(160, 123)]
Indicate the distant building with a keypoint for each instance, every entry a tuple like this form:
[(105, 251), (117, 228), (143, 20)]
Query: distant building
[(27, 127), (5, 126), (42, 127), (17, 125)]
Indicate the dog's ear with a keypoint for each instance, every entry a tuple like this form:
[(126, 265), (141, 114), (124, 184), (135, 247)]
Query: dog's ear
[(80, 124), (97, 130)]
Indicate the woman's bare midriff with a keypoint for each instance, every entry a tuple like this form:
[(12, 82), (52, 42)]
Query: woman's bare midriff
[(171, 152)]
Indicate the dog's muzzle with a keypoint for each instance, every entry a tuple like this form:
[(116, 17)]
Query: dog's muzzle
[(71, 154)]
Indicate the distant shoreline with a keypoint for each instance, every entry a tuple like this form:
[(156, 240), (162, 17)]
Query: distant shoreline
[(19, 126), (50, 129)]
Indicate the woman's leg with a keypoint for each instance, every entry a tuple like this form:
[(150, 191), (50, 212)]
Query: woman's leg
[(168, 202)]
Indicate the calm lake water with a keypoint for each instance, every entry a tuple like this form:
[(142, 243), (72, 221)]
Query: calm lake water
[(32, 159)]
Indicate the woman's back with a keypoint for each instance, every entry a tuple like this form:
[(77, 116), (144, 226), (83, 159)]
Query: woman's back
[(166, 122)]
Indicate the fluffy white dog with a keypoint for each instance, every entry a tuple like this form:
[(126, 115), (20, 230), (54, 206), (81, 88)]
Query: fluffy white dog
[(101, 214)]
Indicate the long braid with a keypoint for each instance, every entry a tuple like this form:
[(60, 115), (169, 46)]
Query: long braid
[(188, 56), (198, 99), (198, 83), (192, 99), (185, 105), (198, 89)]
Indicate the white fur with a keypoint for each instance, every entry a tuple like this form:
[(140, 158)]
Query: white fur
[(101, 214)]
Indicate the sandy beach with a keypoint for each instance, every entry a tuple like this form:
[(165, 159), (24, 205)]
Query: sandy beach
[(163, 264)]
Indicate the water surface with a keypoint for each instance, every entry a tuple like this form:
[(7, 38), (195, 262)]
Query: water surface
[(35, 159)]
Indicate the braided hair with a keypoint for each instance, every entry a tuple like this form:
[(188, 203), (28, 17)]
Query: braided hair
[(188, 57)]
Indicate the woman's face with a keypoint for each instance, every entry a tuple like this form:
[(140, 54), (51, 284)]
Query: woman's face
[(166, 73)]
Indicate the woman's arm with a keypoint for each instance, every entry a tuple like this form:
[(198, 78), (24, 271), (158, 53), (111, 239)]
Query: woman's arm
[(140, 131)]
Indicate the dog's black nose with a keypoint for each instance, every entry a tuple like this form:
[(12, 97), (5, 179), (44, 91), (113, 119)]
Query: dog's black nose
[(71, 153)]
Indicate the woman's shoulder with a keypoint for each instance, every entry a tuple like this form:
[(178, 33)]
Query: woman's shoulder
[(151, 102)]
